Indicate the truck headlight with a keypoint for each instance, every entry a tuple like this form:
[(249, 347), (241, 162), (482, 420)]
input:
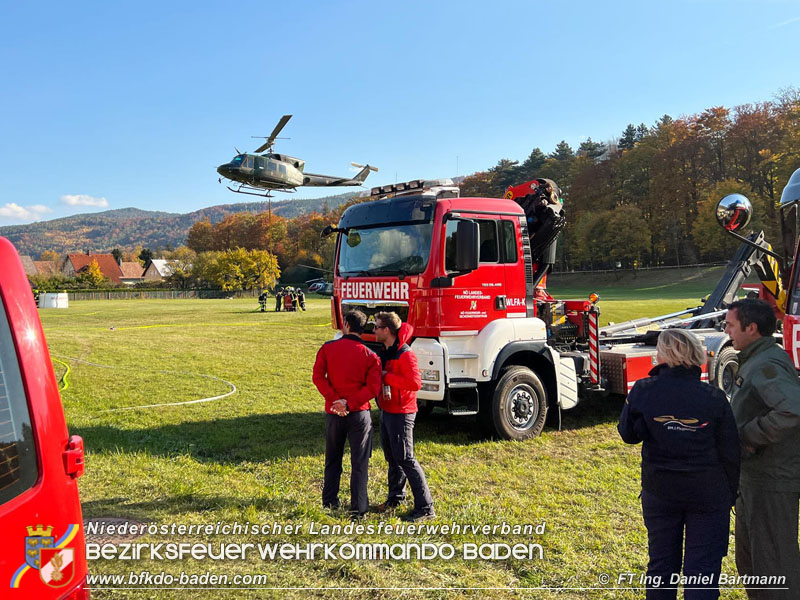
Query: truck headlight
[(430, 374)]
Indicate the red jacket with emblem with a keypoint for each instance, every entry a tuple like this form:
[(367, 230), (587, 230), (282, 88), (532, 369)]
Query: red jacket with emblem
[(401, 374), (346, 368)]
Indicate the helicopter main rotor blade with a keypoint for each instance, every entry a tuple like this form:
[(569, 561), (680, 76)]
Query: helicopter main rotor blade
[(271, 139)]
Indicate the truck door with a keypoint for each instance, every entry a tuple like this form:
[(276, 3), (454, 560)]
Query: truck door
[(513, 264), (478, 297), (43, 553)]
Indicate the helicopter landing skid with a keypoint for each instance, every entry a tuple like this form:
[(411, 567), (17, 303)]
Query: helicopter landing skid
[(254, 191)]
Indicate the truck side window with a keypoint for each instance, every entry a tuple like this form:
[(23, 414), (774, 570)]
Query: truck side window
[(18, 470), (488, 237), (450, 234), (509, 241)]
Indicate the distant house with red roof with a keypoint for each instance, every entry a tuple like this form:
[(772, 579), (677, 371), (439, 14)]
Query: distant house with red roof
[(75, 264), (132, 272), (46, 268)]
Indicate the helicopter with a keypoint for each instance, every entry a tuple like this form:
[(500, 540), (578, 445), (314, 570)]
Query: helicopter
[(264, 171)]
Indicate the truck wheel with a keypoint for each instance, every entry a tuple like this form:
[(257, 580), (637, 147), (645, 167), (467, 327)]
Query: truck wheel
[(519, 404), (726, 370)]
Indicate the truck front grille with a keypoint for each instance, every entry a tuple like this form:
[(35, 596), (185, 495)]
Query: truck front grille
[(371, 308)]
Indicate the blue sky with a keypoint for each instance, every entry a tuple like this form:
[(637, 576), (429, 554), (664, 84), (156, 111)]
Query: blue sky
[(115, 104)]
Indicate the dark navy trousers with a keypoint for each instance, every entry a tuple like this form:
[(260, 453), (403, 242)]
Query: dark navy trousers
[(356, 428), (397, 439), (705, 533)]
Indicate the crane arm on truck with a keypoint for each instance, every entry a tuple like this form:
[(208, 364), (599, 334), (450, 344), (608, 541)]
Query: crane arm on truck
[(749, 256), (545, 218)]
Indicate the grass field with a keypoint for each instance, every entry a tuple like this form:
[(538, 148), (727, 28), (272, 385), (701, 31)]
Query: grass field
[(256, 456), (691, 283)]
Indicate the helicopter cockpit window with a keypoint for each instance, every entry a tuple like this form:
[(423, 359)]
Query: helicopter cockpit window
[(248, 163), (237, 160)]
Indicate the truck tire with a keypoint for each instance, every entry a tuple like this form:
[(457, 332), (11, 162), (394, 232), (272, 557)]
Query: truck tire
[(519, 404), (726, 370)]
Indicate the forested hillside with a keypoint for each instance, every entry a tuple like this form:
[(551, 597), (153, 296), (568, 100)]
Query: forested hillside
[(131, 227)]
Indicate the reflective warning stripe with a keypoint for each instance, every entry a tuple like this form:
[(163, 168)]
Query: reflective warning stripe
[(594, 355), (769, 272)]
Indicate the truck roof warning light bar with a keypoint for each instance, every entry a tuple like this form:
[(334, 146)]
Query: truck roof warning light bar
[(441, 188)]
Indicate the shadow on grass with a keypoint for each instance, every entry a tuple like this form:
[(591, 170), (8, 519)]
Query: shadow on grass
[(255, 438), (130, 508), (596, 411), (277, 437)]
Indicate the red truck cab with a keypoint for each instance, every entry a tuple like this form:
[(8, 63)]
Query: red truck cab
[(43, 554), (461, 272)]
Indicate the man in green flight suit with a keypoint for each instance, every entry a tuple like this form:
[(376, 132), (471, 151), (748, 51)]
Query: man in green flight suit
[(766, 405)]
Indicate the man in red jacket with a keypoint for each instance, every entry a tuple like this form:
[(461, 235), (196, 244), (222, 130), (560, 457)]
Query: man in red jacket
[(398, 403), (348, 375)]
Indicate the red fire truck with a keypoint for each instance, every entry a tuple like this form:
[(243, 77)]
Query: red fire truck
[(468, 274), (43, 553)]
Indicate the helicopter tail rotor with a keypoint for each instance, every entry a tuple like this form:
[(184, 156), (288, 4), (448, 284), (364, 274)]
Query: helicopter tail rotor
[(365, 170)]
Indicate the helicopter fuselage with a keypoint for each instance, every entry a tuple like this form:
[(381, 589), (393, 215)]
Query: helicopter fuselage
[(267, 171)]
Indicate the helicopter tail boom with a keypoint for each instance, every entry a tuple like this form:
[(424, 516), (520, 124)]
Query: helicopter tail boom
[(312, 179)]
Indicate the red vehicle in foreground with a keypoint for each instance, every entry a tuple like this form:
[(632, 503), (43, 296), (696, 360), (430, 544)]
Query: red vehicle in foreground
[(43, 554)]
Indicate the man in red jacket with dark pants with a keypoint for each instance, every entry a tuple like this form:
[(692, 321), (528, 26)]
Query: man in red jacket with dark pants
[(398, 403), (348, 375)]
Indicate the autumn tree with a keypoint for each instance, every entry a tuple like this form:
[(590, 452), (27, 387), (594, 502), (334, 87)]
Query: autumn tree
[(237, 269), (181, 262), (201, 236), (712, 241), (49, 255), (92, 276)]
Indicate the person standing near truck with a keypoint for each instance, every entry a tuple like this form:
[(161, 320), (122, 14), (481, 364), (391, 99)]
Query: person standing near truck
[(348, 375), (766, 404), (690, 467), (398, 403)]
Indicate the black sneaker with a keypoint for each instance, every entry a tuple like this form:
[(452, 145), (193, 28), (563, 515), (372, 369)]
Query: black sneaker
[(419, 514), (330, 506), (355, 515)]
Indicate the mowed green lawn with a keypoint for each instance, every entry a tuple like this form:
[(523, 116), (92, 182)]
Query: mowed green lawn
[(257, 456)]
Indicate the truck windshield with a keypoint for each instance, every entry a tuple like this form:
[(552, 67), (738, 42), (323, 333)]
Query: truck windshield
[(398, 249)]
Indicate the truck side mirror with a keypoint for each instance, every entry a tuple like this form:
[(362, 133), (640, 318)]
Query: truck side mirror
[(467, 242), (734, 212)]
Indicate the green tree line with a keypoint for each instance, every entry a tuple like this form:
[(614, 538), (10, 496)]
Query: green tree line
[(649, 196)]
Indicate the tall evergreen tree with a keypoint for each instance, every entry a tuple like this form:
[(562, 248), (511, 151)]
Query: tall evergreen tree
[(532, 165), (563, 152), (628, 139), (591, 149)]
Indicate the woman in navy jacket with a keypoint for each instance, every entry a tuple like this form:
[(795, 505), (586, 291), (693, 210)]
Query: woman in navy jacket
[(690, 468)]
